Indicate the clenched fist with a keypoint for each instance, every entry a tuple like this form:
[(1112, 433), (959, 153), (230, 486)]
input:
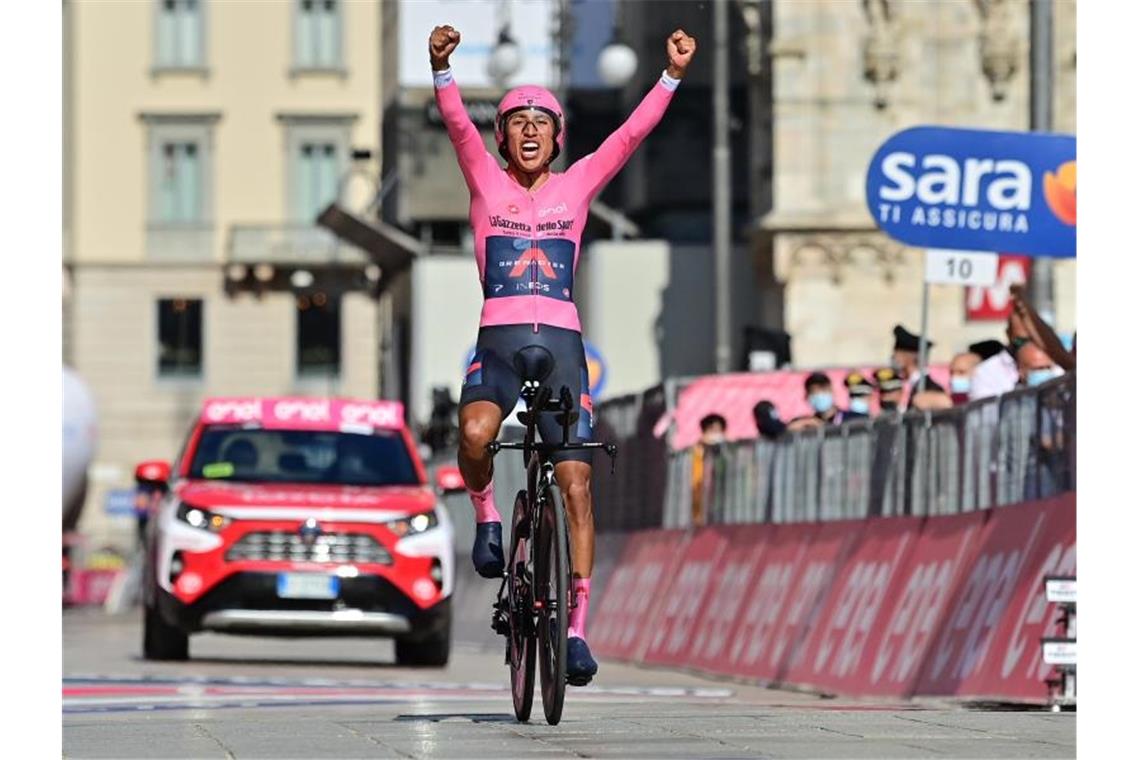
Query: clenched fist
[(443, 40), (679, 49)]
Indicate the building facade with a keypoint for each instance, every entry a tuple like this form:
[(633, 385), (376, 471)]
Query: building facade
[(845, 76), (202, 138)]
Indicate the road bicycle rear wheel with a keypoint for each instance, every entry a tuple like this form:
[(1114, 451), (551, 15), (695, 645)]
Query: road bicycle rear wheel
[(521, 641), (552, 581)]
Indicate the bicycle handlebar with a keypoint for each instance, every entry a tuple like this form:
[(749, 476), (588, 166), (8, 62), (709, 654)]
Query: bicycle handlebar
[(494, 447)]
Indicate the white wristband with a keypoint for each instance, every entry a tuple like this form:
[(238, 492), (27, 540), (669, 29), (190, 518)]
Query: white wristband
[(442, 78), (669, 82)]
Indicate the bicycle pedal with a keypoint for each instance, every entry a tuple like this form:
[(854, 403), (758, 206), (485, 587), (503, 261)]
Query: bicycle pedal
[(579, 681)]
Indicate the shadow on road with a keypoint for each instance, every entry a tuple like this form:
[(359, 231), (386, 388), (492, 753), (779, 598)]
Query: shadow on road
[(296, 661)]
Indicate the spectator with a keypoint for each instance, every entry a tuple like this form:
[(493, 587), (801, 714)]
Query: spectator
[(817, 391), (707, 464), (929, 396), (713, 427), (1039, 331), (1034, 366), (441, 430), (961, 368), (904, 358), (768, 422), (890, 387), (997, 372), (859, 390)]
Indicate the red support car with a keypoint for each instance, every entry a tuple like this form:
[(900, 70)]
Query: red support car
[(300, 516)]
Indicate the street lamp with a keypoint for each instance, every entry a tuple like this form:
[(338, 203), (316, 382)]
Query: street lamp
[(506, 59), (617, 63)]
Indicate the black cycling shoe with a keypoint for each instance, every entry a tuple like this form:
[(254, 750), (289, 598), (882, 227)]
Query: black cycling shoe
[(580, 664), (487, 554)]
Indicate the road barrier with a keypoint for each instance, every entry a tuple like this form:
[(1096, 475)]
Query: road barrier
[(945, 605), (993, 452)]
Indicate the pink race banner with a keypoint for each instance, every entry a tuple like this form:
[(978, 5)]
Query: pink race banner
[(633, 591), (950, 606), (671, 628)]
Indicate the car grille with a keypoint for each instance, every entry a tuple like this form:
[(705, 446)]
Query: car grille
[(289, 546)]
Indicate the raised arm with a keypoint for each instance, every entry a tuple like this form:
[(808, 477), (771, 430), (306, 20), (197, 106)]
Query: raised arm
[(465, 138), (598, 168)]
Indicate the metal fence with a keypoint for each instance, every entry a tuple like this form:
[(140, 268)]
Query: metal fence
[(1018, 446), (989, 453)]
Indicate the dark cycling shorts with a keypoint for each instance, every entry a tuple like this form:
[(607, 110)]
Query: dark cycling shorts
[(493, 376)]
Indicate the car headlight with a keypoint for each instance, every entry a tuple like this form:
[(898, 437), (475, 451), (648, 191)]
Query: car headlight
[(196, 517), (409, 526)]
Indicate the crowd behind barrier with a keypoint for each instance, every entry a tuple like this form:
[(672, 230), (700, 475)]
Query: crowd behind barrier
[(996, 451)]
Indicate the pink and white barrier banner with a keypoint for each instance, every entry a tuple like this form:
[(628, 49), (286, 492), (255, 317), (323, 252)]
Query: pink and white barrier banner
[(948, 606)]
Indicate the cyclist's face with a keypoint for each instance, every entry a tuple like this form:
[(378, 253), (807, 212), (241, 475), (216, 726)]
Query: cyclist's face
[(530, 140)]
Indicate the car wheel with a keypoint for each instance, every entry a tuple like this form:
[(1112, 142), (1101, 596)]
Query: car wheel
[(430, 652), (162, 641)]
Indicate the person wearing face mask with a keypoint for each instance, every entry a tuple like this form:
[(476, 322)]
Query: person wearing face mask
[(767, 419), (817, 392), (859, 390), (890, 388), (961, 368), (707, 463), (1034, 366)]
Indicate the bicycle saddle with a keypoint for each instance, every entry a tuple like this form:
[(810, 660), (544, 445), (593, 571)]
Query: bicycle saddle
[(533, 363)]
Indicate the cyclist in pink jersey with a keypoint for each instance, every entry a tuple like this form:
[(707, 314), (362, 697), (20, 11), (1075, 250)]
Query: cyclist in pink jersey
[(528, 223)]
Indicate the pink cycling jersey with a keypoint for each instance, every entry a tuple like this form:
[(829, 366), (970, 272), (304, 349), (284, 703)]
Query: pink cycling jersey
[(527, 243)]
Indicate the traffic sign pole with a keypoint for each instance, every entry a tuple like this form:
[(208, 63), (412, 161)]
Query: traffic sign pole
[(946, 267)]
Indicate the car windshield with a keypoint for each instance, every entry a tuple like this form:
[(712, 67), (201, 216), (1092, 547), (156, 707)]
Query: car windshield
[(254, 455)]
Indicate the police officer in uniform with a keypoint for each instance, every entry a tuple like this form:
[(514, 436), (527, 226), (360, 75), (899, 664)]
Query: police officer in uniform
[(859, 390)]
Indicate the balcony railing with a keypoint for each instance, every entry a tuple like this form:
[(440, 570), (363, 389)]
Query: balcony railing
[(288, 244)]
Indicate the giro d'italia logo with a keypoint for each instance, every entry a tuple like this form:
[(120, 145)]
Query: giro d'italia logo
[(1061, 192)]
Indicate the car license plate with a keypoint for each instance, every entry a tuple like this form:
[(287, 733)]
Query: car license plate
[(307, 586)]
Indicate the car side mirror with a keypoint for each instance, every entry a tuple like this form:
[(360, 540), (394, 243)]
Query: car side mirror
[(153, 472), (448, 479)]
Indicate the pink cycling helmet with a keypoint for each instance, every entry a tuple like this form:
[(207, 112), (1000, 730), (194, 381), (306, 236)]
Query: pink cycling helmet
[(524, 98)]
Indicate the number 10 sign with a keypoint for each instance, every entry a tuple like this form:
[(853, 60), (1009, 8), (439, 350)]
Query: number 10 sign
[(946, 267)]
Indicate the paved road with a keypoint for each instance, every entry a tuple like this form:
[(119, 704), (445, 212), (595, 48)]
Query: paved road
[(275, 698)]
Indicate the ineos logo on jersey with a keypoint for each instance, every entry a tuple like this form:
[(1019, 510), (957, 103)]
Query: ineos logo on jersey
[(561, 208)]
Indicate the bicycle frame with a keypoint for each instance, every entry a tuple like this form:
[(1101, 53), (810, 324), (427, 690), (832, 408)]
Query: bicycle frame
[(513, 614)]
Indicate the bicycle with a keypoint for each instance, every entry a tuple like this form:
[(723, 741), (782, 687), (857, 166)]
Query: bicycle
[(534, 600)]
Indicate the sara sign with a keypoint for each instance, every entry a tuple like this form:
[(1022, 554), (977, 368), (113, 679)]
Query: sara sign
[(969, 189)]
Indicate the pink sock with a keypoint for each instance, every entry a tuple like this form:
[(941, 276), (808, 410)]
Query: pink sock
[(484, 503), (581, 606)]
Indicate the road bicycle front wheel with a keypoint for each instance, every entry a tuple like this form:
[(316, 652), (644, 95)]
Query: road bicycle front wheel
[(521, 642), (552, 589)]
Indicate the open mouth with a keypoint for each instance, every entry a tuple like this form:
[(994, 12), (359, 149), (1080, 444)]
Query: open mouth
[(529, 150)]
